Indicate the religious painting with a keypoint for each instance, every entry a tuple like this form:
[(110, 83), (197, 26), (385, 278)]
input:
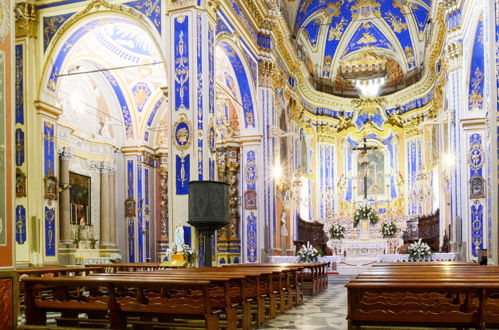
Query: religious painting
[(130, 207), (477, 187), (20, 183), (51, 186), (79, 198), (250, 199), (371, 166)]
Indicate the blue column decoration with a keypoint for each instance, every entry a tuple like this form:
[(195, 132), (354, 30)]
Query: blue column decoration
[(211, 69), (19, 147), (50, 232), (147, 214), (131, 241), (182, 81), (476, 227), (140, 218), (49, 148), (183, 170), (250, 203), (476, 161), (19, 85), (131, 228), (20, 224), (252, 237), (477, 69), (199, 59)]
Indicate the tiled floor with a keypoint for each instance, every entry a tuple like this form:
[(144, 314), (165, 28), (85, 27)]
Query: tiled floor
[(327, 310)]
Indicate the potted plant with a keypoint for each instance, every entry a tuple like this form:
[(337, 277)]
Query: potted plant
[(75, 231), (92, 239), (419, 251), (308, 253), (388, 230), (365, 212)]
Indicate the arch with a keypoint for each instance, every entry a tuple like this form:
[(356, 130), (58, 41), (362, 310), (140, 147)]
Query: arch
[(78, 27), (242, 72)]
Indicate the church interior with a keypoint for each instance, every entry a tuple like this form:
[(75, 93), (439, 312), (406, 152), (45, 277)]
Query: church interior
[(234, 163)]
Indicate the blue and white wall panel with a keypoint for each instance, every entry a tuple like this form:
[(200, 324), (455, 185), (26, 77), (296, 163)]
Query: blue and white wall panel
[(267, 226), (326, 180)]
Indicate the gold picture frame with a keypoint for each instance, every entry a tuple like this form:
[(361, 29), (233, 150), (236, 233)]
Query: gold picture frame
[(51, 187)]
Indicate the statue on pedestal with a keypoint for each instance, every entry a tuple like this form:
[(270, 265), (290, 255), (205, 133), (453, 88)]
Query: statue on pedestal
[(179, 238), (284, 233)]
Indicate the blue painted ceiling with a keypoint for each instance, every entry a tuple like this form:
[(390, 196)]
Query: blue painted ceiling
[(335, 29)]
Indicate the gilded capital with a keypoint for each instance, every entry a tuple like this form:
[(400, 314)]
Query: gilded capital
[(26, 20)]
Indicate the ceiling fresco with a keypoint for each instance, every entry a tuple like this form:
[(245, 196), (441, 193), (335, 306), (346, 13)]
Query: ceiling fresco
[(334, 31)]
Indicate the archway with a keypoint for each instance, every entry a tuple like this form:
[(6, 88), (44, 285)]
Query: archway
[(106, 72)]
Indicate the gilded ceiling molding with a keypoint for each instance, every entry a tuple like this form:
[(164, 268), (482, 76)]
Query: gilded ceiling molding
[(26, 24)]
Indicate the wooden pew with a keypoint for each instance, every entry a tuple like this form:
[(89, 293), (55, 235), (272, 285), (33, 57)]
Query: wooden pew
[(129, 267), (225, 289), (188, 298), (444, 295), (315, 274)]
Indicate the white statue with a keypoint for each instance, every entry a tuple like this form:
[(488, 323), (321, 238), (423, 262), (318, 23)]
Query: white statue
[(179, 238), (284, 233)]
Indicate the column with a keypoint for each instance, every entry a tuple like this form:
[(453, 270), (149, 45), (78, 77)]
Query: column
[(192, 101), (163, 215), (64, 203), (112, 208), (105, 230)]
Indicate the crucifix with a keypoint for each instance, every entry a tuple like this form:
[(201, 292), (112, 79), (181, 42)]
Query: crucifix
[(364, 161)]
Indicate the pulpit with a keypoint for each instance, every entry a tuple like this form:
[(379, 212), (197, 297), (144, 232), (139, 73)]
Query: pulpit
[(312, 232), (429, 230)]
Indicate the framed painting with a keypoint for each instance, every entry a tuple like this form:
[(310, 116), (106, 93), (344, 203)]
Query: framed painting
[(80, 195)]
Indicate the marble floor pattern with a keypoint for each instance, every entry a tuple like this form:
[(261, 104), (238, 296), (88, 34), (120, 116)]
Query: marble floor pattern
[(327, 310)]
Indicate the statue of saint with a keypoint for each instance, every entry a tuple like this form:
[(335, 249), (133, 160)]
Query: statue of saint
[(179, 238), (284, 233)]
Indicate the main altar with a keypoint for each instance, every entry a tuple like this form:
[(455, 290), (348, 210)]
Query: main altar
[(365, 240)]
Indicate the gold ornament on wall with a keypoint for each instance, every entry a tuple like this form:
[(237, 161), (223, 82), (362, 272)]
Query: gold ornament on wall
[(51, 186)]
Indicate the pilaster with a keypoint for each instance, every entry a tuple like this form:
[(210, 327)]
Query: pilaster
[(192, 25)]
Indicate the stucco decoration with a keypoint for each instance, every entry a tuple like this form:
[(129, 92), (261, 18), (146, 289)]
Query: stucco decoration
[(4, 20)]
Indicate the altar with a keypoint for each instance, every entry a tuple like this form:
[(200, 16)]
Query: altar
[(364, 249)]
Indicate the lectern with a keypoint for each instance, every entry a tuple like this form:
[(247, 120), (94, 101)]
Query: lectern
[(208, 210)]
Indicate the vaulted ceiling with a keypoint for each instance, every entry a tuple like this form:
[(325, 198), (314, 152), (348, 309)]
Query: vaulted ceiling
[(344, 41)]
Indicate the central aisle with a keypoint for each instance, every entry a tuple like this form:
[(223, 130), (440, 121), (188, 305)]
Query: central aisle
[(327, 310)]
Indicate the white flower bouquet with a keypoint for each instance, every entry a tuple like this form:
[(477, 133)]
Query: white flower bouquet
[(337, 231), (308, 253), (419, 251), (388, 230)]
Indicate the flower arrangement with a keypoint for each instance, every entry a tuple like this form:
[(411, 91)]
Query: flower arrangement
[(75, 233), (308, 253), (388, 230), (419, 251), (337, 231), (365, 212), (187, 251), (91, 237)]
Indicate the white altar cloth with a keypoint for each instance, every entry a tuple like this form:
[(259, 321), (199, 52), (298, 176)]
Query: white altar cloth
[(405, 257), (294, 259), (363, 249)]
